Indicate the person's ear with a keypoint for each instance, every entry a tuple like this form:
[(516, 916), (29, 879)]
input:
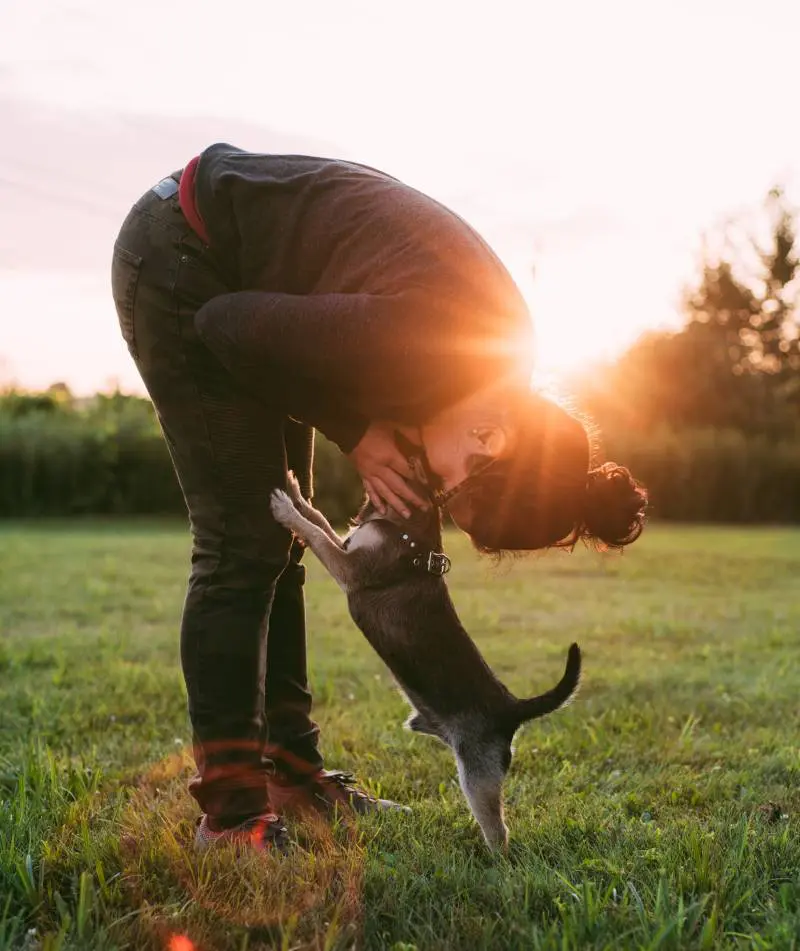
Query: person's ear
[(489, 440)]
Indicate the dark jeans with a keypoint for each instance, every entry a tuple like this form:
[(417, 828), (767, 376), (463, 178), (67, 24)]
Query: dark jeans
[(243, 645)]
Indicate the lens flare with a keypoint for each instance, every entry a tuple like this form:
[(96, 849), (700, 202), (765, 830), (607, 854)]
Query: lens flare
[(179, 942)]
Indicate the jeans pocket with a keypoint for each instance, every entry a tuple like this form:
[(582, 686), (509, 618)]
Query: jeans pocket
[(125, 268)]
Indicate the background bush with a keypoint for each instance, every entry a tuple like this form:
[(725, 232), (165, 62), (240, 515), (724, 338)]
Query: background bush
[(709, 475), (104, 456)]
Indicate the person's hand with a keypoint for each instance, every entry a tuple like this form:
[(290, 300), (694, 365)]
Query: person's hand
[(383, 470)]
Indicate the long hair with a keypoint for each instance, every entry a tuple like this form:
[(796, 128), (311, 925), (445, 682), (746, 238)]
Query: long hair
[(551, 493)]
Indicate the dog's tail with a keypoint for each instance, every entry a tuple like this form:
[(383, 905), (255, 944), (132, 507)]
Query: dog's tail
[(561, 694)]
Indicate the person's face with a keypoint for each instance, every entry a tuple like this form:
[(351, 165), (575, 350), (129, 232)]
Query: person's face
[(457, 453), (467, 436)]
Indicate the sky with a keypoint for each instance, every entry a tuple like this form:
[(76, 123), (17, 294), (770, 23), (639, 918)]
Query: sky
[(592, 144)]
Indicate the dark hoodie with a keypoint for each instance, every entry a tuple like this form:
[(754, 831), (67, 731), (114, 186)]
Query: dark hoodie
[(370, 300)]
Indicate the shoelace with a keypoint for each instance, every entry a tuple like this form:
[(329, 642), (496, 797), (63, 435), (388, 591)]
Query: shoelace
[(347, 782), (270, 825)]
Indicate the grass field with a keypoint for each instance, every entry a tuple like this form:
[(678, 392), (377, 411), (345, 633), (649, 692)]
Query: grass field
[(658, 811)]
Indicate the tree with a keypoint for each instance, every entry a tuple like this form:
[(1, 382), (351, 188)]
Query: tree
[(752, 312), (776, 344), (736, 362)]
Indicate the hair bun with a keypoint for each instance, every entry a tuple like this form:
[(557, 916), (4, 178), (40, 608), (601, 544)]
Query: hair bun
[(615, 506)]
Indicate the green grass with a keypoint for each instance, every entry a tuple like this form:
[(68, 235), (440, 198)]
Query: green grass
[(658, 811)]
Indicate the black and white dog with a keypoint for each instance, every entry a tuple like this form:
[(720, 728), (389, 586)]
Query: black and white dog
[(391, 570)]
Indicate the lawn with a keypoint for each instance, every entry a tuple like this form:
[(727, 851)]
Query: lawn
[(660, 810)]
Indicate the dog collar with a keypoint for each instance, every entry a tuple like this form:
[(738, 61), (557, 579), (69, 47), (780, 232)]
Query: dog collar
[(440, 499), (435, 563), (416, 454)]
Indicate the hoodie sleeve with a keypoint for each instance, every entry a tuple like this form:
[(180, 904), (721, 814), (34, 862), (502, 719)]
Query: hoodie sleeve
[(334, 361)]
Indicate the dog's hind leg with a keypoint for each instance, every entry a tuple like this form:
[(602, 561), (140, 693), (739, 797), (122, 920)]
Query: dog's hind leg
[(419, 723), (482, 785), (329, 552)]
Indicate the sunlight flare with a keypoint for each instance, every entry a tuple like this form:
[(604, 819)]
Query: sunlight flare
[(180, 942)]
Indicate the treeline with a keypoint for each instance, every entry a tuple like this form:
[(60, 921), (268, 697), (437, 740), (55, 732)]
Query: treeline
[(105, 456), (735, 364), (707, 417)]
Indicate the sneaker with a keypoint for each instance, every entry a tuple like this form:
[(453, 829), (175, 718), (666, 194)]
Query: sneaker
[(323, 792), (262, 832)]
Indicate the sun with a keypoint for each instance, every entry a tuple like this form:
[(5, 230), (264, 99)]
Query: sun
[(567, 344), (578, 323), (587, 310)]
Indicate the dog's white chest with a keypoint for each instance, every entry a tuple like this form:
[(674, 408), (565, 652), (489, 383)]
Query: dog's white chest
[(364, 538)]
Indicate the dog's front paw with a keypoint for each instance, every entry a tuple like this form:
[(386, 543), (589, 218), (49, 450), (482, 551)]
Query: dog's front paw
[(283, 509), (294, 489)]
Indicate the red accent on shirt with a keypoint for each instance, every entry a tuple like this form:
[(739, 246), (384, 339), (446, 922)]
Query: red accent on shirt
[(188, 202)]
